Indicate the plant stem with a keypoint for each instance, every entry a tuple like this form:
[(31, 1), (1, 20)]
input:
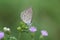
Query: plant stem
[(19, 36), (32, 38)]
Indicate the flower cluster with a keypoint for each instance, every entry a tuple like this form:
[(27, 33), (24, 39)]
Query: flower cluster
[(31, 29), (34, 29), (6, 29)]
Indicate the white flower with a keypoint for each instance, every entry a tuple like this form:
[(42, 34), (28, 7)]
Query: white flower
[(6, 29)]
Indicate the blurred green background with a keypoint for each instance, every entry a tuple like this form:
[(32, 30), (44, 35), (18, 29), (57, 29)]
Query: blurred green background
[(46, 15)]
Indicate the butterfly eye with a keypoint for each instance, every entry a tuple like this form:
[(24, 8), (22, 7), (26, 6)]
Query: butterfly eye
[(26, 15)]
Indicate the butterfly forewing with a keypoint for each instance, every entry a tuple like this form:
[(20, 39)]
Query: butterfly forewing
[(26, 15)]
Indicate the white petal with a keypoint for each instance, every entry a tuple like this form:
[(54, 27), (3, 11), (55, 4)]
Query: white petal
[(8, 29), (4, 28)]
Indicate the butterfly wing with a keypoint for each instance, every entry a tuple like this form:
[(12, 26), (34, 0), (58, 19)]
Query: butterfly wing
[(26, 15)]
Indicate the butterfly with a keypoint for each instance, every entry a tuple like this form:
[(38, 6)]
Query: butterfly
[(26, 16)]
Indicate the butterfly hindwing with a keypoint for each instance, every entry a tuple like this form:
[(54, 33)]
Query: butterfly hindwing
[(26, 15)]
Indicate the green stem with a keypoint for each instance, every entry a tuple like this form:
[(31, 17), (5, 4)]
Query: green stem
[(19, 36), (32, 35), (32, 38)]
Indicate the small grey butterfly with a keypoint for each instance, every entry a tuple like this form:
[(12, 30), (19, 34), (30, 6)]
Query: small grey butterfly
[(26, 16)]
